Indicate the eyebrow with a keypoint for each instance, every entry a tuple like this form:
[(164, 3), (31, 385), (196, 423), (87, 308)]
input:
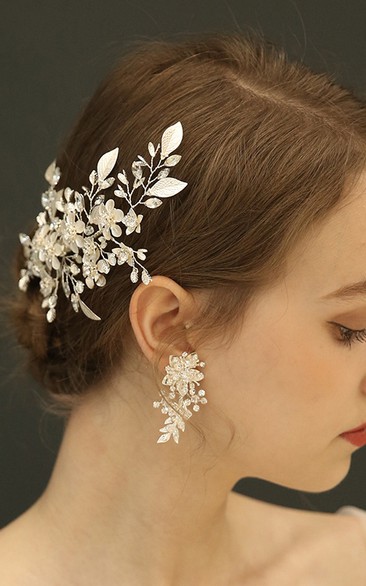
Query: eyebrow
[(348, 291)]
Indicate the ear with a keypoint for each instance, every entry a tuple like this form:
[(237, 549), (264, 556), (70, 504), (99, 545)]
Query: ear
[(158, 306)]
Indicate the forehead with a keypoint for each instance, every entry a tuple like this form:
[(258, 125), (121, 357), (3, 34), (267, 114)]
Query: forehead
[(334, 254)]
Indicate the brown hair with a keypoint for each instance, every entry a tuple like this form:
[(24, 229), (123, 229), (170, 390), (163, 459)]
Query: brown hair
[(267, 148)]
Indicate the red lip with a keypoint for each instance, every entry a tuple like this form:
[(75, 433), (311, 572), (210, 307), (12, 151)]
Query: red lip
[(359, 428), (356, 436)]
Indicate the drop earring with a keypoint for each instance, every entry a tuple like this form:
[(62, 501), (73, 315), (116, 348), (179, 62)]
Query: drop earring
[(181, 377)]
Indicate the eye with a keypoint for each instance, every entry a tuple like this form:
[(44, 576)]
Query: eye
[(350, 336)]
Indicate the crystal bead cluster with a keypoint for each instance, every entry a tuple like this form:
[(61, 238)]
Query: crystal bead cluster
[(72, 243), (181, 377)]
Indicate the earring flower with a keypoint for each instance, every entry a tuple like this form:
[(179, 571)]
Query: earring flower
[(181, 377)]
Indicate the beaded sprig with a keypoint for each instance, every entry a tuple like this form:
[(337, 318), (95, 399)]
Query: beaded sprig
[(75, 230)]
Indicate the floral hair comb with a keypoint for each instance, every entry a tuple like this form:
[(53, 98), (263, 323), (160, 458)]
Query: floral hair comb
[(76, 229)]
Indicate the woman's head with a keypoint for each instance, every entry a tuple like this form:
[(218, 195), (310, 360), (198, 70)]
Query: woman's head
[(290, 381), (271, 150)]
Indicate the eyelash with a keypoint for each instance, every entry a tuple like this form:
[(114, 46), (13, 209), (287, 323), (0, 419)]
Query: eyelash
[(350, 336)]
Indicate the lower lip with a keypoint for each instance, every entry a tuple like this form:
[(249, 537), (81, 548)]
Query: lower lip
[(357, 438)]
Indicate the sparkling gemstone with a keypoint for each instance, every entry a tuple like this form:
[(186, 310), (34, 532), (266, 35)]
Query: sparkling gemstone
[(146, 279), (121, 258), (129, 221), (24, 238), (111, 259), (66, 288), (153, 202), (56, 176), (134, 276), (67, 193), (23, 283), (52, 301), (51, 314), (93, 177), (79, 287), (103, 266)]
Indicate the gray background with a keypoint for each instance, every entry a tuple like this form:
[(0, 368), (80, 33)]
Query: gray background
[(53, 54)]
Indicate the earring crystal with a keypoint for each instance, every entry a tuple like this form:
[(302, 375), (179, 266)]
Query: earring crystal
[(181, 377)]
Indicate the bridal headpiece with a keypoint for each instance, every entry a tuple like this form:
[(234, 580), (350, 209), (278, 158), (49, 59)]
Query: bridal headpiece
[(78, 237)]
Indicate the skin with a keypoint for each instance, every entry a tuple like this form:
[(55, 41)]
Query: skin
[(120, 508)]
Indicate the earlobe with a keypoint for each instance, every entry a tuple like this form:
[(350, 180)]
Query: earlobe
[(156, 307)]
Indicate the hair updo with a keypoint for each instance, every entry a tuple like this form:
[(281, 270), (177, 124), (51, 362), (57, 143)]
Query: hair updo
[(268, 146)]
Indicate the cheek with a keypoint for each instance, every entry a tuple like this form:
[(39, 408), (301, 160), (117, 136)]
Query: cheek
[(281, 387)]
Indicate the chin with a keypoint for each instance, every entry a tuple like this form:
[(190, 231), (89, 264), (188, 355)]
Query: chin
[(319, 481), (328, 480)]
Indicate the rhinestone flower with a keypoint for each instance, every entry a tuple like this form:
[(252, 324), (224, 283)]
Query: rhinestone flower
[(181, 377)]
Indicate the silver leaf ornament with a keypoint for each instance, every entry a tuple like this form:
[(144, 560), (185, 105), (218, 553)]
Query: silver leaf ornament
[(106, 163), (167, 187), (171, 139)]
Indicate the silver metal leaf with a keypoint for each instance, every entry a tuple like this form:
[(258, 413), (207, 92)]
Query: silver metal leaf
[(151, 149), (167, 187), (106, 163), (171, 139), (163, 438), (88, 312)]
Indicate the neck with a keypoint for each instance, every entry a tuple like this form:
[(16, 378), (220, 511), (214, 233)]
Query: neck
[(119, 505)]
